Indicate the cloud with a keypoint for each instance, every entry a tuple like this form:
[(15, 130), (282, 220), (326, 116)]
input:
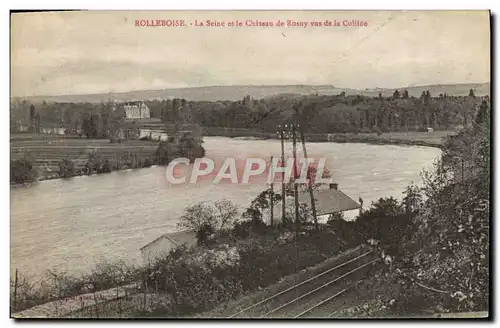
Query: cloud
[(86, 52)]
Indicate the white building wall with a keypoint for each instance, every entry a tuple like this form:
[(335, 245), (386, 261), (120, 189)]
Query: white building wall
[(145, 112), (137, 111), (158, 248), (59, 131), (155, 134), (132, 111)]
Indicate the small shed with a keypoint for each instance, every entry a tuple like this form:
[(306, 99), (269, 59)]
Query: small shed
[(430, 129), (166, 242)]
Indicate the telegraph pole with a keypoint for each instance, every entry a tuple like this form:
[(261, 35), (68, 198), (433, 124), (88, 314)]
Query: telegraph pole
[(311, 194), (283, 194), (295, 176), (272, 197)]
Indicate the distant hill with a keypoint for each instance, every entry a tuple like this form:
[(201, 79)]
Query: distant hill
[(237, 92)]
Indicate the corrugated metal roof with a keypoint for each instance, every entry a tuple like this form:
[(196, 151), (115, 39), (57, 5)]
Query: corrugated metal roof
[(327, 202)]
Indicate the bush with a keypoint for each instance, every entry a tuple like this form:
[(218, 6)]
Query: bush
[(245, 228), (190, 148), (346, 231), (195, 280), (147, 162), (66, 168), (166, 152), (22, 171), (187, 147), (106, 167), (204, 234)]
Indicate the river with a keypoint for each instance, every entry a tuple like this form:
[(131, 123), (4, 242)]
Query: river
[(69, 225)]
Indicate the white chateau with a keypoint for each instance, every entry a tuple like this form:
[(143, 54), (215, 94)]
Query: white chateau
[(136, 110)]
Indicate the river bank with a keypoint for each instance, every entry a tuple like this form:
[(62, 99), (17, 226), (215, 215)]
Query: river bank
[(427, 139), (41, 157), (47, 151)]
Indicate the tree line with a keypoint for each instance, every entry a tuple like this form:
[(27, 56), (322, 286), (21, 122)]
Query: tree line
[(316, 113)]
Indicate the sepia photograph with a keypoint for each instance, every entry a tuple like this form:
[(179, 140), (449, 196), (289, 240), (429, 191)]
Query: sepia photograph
[(250, 164)]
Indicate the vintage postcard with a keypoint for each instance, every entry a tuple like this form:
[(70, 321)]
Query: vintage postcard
[(250, 164)]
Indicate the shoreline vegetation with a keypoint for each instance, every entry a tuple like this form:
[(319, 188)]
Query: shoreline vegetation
[(128, 157), (47, 161), (428, 139), (437, 237), (400, 119)]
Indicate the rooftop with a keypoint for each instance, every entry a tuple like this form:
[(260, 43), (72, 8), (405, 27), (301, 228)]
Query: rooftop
[(328, 201), (177, 238), (133, 103)]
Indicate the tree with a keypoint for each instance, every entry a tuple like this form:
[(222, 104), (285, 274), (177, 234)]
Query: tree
[(406, 95), (190, 147), (32, 111), (261, 204), (87, 128), (412, 200), (166, 152), (209, 217), (482, 115), (384, 207), (471, 93), (396, 94)]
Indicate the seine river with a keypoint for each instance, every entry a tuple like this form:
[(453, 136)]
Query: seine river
[(70, 225)]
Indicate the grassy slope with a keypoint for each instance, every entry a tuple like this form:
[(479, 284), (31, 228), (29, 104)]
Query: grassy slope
[(227, 309)]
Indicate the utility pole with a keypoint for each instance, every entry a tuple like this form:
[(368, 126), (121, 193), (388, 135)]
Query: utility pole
[(311, 194), (462, 160), (272, 198), (283, 194), (295, 176)]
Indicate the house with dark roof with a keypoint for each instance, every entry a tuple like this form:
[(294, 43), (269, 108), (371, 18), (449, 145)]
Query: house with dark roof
[(166, 242), (327, 201)]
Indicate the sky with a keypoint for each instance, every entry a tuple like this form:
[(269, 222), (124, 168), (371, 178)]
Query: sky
[(57, 53)]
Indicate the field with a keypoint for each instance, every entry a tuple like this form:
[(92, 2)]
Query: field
[(47, 150)]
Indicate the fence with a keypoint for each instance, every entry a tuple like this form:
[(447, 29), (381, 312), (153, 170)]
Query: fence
[(126, 306), (125, 301)]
